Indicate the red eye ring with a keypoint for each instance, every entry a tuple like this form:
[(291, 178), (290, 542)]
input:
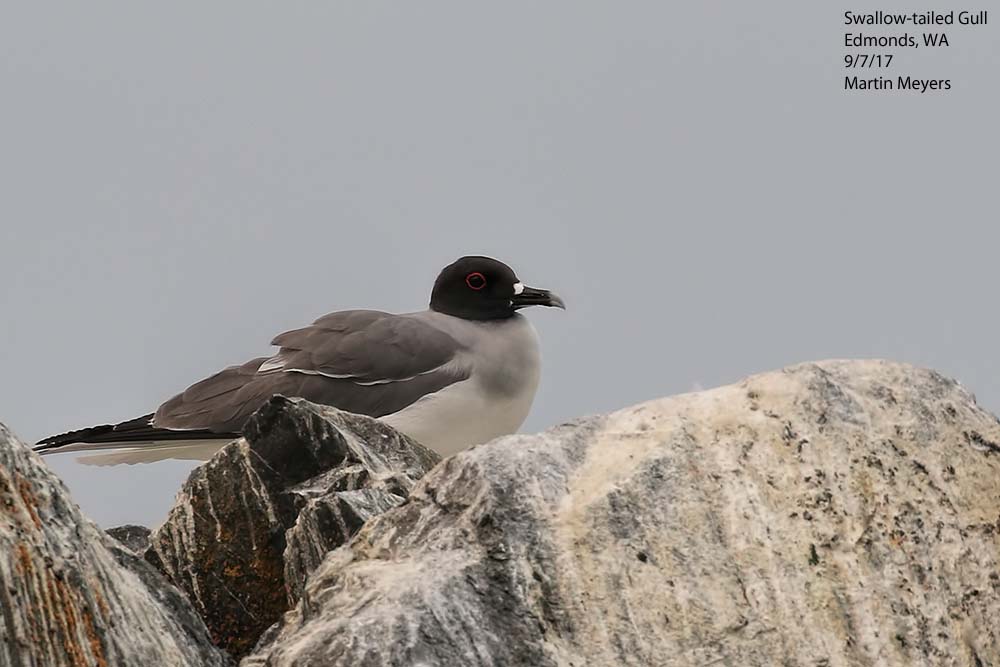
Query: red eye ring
[(475, 280)]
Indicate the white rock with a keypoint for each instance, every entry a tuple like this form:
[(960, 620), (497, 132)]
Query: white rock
[(840, 513)]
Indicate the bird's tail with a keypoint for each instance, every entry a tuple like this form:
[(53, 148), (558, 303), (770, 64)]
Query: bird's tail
[(135, 441)]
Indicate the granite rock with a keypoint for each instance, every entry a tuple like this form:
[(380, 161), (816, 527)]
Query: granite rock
[(835, 513)]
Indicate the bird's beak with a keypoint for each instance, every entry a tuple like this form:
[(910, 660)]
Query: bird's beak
[(532, 296)]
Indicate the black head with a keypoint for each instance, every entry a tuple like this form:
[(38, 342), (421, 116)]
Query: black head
[(481, 288)]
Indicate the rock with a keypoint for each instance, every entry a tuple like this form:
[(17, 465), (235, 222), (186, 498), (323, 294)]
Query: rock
[(250, 525), (840, 513), (324, 524), (134, 538), (70, 595)]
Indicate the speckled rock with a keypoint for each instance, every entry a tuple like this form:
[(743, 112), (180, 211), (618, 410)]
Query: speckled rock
[(72, 596), (834, 514), (250, 525)]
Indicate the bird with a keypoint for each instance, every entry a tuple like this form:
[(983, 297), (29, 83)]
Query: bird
[(460, 373)]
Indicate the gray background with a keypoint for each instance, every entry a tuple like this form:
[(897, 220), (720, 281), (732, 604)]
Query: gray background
[(179, 183)]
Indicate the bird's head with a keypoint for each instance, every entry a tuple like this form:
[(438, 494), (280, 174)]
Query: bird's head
[(482, 288)]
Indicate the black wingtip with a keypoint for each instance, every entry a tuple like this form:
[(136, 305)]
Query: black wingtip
[(45, 445)]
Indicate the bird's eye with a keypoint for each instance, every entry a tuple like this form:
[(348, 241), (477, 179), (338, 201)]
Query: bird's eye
[(475, 280)]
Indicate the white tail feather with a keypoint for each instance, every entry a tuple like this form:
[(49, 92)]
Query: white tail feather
[(133, 453)]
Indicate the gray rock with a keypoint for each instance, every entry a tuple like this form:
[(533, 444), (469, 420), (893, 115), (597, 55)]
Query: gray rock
[(325, 523), (70, 595), (840, 513), (250, 525), (135, 538)]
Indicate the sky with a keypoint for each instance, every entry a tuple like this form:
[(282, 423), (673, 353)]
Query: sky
[(182, 181)]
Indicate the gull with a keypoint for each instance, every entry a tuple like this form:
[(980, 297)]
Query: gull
[(460, 373)]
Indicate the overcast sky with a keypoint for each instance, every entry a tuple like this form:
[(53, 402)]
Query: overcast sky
[(182, 181)]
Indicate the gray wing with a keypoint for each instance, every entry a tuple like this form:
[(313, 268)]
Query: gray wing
[(362, 361)]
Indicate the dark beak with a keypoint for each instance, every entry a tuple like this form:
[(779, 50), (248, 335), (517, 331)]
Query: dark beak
[(531, 296)]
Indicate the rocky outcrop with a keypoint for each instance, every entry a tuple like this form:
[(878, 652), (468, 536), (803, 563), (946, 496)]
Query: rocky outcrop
[(249, 526), (841, 513), (69, 595)]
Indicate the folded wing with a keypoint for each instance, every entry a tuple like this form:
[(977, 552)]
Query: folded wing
[(362, 361)]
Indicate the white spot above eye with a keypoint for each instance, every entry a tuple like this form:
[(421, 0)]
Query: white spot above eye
[(518, 288)]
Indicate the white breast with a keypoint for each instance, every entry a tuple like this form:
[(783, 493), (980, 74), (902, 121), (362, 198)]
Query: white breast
[(505, 363)]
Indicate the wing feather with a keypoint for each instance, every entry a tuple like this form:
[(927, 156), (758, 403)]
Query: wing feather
[(226, 380), (362, 361)]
